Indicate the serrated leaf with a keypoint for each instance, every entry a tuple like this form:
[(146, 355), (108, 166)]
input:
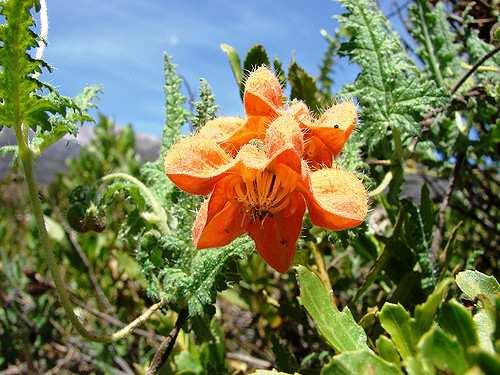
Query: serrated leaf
[(360, 362), (389, 88), (175, 113), (205, 107), (303, 86), (457, 320), (438, 49), (256, 57), (443, 351), (338, 328), (474, 283), (20, 102)]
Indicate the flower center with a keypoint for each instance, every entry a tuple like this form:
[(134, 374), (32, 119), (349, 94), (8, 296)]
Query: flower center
[(264, 195)]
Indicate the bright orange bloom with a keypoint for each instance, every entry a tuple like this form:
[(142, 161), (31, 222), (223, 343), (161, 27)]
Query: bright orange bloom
[(263, 190), (324, 137)]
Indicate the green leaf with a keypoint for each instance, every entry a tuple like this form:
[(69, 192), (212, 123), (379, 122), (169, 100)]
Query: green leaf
[(474, 283), (256, 57), (438, 49), (20, 102), (279, 71), (303, 86), (359, 362), (387, 350), (485, 328), (457, 320), (234, 62), (338, 328), (425, 313), (390, 88), (487, 362), (398, 323), (325, 70), (75, 113), (443, 351), (175, 113)]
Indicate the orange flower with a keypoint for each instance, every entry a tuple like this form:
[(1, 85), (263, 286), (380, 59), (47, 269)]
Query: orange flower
[(263, 93), (324, 137), (263, 190)]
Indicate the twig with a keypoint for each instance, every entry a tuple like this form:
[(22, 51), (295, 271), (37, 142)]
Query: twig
[(254, 362), (437, 236), (115, 321), (167, 345), (102, 300), (474, 68)]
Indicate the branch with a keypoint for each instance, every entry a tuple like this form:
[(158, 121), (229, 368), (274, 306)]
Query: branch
[(102, 300), (480, 62), (167, 345)]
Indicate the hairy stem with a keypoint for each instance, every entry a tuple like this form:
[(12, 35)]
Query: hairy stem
[(159, 211), (26, 158), (428, 45)]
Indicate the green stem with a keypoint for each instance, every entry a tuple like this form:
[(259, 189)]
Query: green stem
[(26, 157), (428, 45), (160, 214)]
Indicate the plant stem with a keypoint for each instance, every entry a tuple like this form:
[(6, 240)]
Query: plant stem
[(160, 214), (167, 345), (322, 273), (428, 45), (26, 157)]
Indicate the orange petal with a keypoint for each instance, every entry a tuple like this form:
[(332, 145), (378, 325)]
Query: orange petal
[(317, 154), (337, 199), (219, 220), (335, 126), (195, 164), (263, 94), (276, 236), (232, 132), (300, 112), (284, 142)]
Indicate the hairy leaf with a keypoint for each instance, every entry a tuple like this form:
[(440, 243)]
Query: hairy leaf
[(205, 107), (390, 88)]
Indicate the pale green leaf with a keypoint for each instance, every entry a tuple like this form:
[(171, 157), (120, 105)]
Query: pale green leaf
[(339, 328), (443, 351), (360, 362), (387, 350), (398, 323), (485, 327), (474, 283)]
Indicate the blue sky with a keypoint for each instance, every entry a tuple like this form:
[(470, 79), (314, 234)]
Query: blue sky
[(120, 43)]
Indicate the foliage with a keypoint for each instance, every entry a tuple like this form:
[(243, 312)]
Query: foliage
[(411, 291)]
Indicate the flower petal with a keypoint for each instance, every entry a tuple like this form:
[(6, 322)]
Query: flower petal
[(263, 94), (335, 126), (231, 133), (337, 199), (284, 142), (276, 236), (317, 154), (219, 220), (195, 164)]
